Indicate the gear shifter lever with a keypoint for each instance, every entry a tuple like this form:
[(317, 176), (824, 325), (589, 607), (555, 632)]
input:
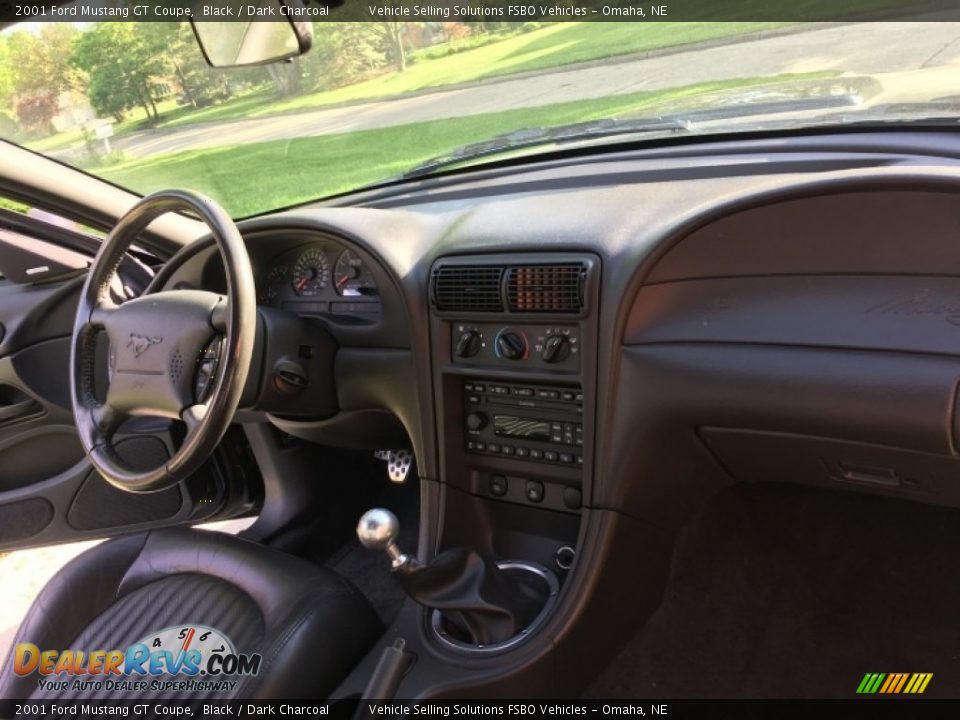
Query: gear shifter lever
[(480, 601), (378, 530)]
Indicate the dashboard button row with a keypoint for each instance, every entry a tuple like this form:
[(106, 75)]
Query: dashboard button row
[(523, 452)]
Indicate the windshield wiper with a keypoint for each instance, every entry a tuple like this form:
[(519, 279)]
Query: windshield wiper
[(554, 135)]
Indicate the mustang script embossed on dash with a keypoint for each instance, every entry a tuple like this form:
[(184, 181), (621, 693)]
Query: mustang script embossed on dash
[(921, 303)]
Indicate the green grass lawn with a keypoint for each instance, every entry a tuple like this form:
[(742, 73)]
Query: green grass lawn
[(551, 46), (253, 178)]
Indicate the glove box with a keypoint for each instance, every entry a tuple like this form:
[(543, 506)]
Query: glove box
[(758, 456)]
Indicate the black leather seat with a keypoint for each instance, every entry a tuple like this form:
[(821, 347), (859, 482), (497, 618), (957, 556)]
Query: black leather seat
[(310, 625)]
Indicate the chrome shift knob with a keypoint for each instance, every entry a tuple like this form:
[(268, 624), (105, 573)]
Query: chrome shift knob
[(378, 530)]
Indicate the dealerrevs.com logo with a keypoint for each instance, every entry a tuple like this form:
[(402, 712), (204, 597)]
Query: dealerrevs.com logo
[(191, 658)]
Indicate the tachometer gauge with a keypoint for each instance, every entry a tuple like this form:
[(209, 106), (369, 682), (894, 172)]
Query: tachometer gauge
[(351, 277), (310, 273)]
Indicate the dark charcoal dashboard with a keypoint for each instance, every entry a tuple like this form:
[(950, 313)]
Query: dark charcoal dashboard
[(581, 352)]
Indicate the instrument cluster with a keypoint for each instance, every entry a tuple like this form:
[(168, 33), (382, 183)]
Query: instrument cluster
[(321, 279)]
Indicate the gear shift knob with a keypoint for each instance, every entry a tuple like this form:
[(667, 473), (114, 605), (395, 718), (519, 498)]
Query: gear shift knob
[(377, 530)]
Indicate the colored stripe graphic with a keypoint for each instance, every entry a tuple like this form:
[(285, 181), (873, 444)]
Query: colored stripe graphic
[(894, 683)]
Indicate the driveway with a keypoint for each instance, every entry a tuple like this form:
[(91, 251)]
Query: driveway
[(866, 48)]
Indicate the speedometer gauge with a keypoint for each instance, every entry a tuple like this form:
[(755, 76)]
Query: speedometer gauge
[(351, 277), (310, 273)]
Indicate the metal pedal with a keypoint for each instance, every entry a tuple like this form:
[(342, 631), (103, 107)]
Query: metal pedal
[(398, 462)]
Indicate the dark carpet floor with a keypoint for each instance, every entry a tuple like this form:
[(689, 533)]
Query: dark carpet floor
[(370, 570), (779, 591)]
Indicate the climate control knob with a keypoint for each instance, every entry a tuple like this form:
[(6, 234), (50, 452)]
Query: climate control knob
[(556, 349), (511, 345), (468, 344), (476, 421)]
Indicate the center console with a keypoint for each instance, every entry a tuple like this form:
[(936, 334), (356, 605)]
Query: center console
[(513, 342)]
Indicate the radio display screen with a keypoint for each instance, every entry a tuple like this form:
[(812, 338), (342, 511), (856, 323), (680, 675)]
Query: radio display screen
[(511, 426)]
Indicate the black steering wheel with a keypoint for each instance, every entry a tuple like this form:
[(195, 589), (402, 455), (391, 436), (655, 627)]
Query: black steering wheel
[(158, 342)]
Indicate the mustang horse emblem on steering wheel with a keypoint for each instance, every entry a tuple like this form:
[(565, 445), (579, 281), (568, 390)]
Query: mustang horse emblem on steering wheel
[(142, 343)]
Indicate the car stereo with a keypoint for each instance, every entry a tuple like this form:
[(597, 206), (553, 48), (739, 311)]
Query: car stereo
[(535, 423)]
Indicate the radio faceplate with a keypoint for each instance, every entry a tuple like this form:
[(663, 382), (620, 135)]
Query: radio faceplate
[(522, 421)]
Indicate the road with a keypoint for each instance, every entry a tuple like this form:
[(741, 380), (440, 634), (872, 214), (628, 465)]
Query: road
[(868, 48)]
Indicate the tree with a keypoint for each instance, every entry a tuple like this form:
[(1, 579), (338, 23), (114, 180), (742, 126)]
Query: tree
[(126, 66), (391, 33), (342, 54), (35, 111), (184, 63), (38, 73)]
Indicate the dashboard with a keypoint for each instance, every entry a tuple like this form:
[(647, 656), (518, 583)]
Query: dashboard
[(759, 294)]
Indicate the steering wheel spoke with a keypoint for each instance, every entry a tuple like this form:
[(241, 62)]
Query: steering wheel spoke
[(193, 416), (107, 420), (220, 316), (100, 314)]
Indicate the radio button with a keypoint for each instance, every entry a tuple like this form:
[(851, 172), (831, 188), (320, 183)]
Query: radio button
[(524, 391), (479, 445), (523, 452), (534, 491), (536, 454), (476, 421), (569, 396), (478, 387), (507, 450), (548, 394), (572, 498), (550, 455), (566, 458), (493, 447)]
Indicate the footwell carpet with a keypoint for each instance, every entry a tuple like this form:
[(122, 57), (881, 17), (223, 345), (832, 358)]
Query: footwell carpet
[(780, 591)]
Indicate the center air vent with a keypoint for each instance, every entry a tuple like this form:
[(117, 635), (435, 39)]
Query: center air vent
[(470, 288), (546, 288)]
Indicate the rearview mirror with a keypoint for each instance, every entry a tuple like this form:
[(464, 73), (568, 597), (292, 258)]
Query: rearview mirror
[(271, 34)]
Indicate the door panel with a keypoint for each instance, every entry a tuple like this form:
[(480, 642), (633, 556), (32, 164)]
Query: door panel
[(49, 492)]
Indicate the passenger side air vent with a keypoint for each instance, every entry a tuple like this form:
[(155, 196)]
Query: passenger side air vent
[(546, 288), (467, 288)]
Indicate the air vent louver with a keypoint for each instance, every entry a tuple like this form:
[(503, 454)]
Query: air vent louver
[(546, 288), (469, 288)]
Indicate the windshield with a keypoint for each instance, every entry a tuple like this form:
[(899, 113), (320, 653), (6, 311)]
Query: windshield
[(136, 104)]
